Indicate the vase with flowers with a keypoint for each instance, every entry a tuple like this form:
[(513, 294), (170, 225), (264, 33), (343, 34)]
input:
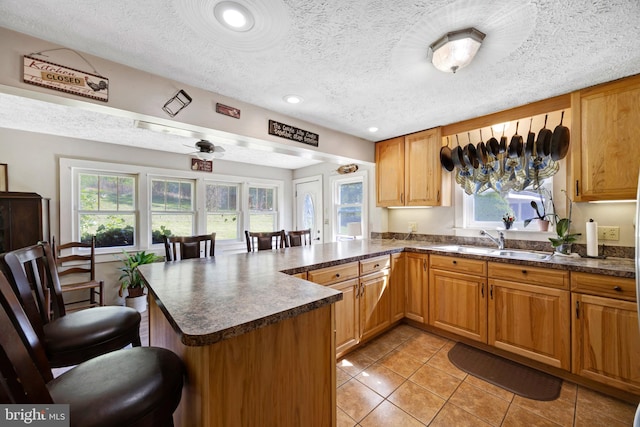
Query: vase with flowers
[(508, 219)]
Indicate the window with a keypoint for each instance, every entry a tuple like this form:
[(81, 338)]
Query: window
[(222, 210), (485, 210), (172, 208), (106, 208), (263, 215), (349, 205)]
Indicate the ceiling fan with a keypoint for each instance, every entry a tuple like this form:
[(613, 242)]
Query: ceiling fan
[(207, 151)]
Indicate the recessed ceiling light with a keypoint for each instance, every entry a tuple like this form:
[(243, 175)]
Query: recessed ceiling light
[(234, 16), (373, 129), (293, 99)]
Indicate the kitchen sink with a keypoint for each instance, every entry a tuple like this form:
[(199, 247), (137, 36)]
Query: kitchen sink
[(507, 253)]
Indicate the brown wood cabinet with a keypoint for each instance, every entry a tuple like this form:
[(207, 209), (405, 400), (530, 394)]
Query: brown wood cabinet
[(606, 338), (409, 171), (397, 282), (417, 276), (458, 296), (605, 156), (528, 319), (20, 220), (375, 304)]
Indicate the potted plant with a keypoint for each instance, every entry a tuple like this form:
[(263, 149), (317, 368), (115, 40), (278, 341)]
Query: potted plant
[(542, 218), (130, 278), (564, 239)]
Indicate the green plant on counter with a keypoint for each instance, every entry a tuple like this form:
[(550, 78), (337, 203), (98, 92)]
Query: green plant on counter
[(563, 235), (130, 278)]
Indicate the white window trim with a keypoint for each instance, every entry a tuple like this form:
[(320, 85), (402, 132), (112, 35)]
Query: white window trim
[(360, 176), (68, 209)]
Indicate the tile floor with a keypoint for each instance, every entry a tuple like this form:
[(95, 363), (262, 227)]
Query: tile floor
[(404, 378)]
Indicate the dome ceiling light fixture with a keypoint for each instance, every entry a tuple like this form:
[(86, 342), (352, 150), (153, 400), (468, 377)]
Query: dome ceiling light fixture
[(455, 50), (234, 16)]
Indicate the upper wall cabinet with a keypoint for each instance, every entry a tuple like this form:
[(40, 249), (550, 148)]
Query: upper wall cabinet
[(605, 155), (408, 170)]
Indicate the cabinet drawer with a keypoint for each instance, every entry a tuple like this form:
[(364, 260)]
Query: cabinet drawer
[(533, 275), (371, 265), (600, 284), (333, 274), (460, 265)]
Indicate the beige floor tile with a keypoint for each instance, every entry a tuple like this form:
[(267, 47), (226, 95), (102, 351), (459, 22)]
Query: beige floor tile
[(386, 415), (393, 338), (568, 392), (436, 381), (356, 399), (559, 411), (431, 340), (417, 401), (380, 379), (353, 363), (452, 416), (441, 361), (344, 420), (489, 388), (484, 405), (341, 377), (610, 407), (417, 349), (589, 418), (520, 417), (400, 363), (377, 349), (405, 331)]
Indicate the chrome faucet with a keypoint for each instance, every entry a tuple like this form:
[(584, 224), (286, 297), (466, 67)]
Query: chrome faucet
[(499, 241)]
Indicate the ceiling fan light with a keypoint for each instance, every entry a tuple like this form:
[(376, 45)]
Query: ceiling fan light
[(456, 50), (205, 156)]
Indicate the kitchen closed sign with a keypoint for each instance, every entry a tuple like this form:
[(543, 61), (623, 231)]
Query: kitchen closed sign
[(293, 133)]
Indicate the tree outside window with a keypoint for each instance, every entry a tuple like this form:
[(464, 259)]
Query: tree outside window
[(222, 210), (172, 208)]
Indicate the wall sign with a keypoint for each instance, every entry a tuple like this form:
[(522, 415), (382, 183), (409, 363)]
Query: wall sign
[(293, 133), (58, 77), (201, 165), (228, 111)]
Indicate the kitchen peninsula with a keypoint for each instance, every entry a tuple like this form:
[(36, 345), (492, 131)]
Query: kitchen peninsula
[(258, 343)]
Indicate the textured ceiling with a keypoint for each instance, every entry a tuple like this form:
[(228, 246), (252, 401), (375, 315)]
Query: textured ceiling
[(357, 63)]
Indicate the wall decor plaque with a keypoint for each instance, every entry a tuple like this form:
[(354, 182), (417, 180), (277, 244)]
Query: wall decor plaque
[(201, 165), (58, 77), (228, 111), (293, 133)]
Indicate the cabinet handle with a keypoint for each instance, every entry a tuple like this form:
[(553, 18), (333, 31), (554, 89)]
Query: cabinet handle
[(482, 291), (337, 275), (617, 288), (577, 187), (438, 196), (524, 271), (402, 198), (376, 266), (577, 309), (424, 264), (491, 291), (454, 262)]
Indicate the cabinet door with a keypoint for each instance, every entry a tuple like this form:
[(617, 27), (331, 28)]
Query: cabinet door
[(375, 304), (422, 172), (532, 321), (606, 341), (397, 284), (417, 276), (605, 155), (347, 316), (390, 172), (457, 304)]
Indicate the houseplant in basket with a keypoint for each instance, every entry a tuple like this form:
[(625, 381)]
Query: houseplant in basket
[(130, 278)]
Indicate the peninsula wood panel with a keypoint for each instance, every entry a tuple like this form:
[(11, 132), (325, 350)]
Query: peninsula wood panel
[(279, 375), (606, 341), (532, 321)]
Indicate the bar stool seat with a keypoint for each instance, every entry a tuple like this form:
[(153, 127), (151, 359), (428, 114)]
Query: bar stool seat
[(84, 334), (140, 386)]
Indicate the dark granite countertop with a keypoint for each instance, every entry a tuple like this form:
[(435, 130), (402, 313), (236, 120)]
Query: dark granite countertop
[(209, 300)]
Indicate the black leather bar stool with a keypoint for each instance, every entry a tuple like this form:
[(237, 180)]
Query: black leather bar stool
[(71, 338), (139, 387)]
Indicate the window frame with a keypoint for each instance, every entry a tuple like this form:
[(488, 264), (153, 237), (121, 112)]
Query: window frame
[(335, 182)]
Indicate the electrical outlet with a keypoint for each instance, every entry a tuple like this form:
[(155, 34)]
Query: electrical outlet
[(413, 226), (608, 233)]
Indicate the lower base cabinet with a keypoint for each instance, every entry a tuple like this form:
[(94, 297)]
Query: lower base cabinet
[(417, 276), (347, 315), (375, 304)]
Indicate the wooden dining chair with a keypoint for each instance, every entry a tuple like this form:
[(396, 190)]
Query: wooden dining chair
[(298, 238), (76, 264), (140, 386), (68, 338), (260, 241), (185, 247)]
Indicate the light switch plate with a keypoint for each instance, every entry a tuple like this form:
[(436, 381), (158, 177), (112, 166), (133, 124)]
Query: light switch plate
[(608, 233)]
